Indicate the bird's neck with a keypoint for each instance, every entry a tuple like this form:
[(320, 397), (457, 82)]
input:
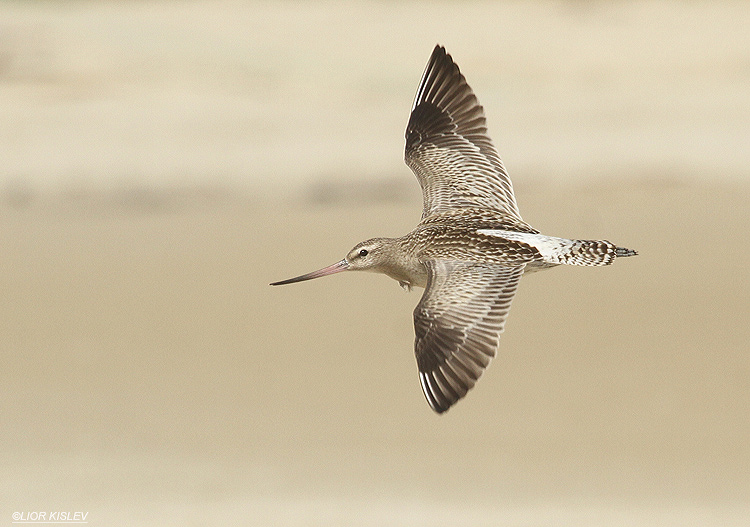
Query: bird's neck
[(403, 265)]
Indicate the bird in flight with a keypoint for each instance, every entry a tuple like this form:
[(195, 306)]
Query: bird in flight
[(471, 246)]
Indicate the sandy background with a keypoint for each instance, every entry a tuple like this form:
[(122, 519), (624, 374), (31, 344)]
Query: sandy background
[(163, 162)]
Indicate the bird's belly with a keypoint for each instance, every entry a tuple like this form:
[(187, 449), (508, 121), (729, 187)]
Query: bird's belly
[(412, 277)]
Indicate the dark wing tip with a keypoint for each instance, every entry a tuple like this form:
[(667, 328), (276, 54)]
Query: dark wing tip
[(445, 384), (440, 71), (449, 365), (439, 400), (437, 52), (444, 103)]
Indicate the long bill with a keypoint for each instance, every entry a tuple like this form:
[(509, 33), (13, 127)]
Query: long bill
[(343, 265)]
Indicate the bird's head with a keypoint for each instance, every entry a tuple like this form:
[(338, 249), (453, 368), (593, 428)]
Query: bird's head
[(369, 255)]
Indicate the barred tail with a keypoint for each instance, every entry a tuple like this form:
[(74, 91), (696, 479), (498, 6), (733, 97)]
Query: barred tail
[(593, 252), (556, 251)]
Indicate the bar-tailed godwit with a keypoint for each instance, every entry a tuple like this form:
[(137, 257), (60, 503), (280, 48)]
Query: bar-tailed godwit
[(471, 247)]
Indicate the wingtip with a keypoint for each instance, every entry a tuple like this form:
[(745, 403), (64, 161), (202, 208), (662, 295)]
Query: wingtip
[(438, 408), (441, 410), (439, 53)]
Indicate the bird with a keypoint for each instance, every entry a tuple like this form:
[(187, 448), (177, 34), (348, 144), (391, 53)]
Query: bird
[(471, 246)]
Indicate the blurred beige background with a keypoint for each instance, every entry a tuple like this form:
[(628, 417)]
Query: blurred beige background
[(162, 162)]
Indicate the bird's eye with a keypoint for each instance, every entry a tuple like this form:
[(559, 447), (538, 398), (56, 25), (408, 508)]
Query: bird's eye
[(363, 253)]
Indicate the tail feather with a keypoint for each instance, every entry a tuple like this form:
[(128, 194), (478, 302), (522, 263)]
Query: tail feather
[(593, 252), (556, 251), (621, 252)]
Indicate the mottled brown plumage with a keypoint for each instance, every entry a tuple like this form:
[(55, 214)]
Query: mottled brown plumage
[(471, 247)]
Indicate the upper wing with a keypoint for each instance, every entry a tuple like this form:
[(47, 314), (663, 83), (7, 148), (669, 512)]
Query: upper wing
[(458, 323), (448, 148)]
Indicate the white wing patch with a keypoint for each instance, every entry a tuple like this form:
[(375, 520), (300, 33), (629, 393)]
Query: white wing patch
[(550, 247)]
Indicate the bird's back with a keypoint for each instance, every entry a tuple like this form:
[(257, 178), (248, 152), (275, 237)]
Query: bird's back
[(454, 235)]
